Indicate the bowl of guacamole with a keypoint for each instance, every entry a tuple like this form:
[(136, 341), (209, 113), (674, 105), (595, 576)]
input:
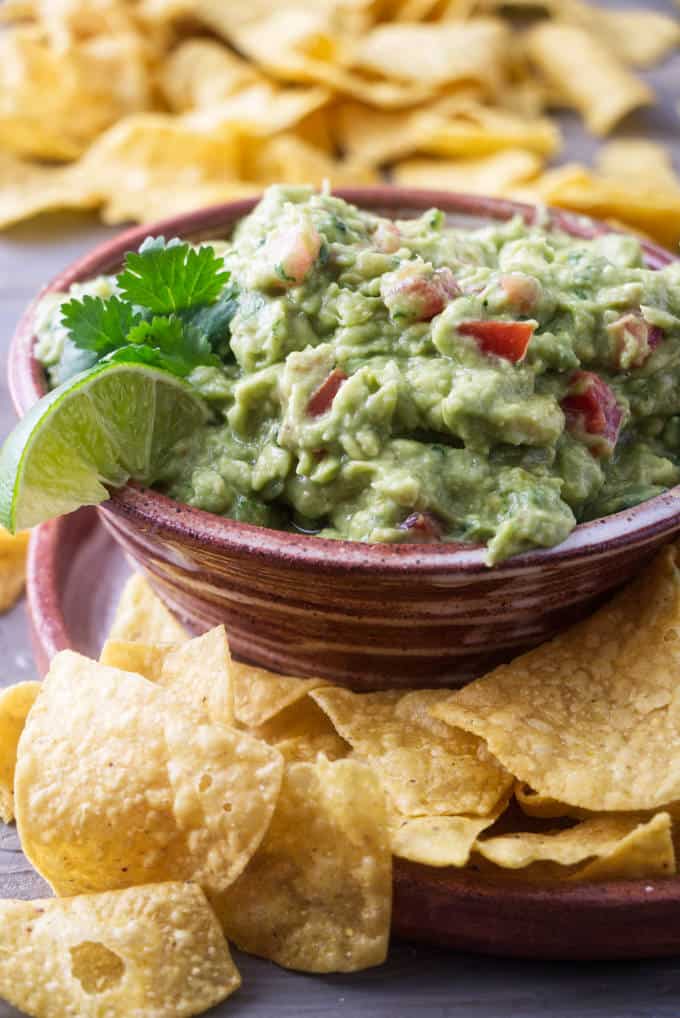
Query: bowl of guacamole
[(410, 395)]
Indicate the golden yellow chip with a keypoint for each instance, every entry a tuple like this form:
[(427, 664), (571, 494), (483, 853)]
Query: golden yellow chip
[(438, 840), (27, 189), (637, 37), (142, 617), (425, 768), (198, 674), (621, 846), (591, 718), (647, 851), (152, 952), (260, 110), (259, 694), (586, 75), (15, 703), (144, 659), (289, 159), (457, 53), (301, 731), (13, 549), (317, 894), (492, 174), (645, 164), (542, 806), (200, 73), (133, 789), (454, 129)]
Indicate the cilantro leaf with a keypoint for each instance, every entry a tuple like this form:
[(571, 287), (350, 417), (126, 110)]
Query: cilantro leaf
[(100, 326), (182, 346), (167, 278), (214, 320)]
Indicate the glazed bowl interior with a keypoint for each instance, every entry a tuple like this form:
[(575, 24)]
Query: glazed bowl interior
[(369, 615)]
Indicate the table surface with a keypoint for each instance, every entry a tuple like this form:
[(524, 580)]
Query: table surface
[(417, 980)]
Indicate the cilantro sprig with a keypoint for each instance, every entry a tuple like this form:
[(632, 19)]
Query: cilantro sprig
[(173, 309)]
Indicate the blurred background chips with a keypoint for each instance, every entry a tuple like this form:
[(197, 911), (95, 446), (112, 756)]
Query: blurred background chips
[(146, 108)]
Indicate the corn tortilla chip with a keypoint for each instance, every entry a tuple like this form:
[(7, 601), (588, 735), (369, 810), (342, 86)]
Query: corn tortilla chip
[(638, 37), (200, 73), (259, 695), (317, 894), (15, 703), (425, 768), (198, 674), (13, 550), (645, 163), (541, 806), (150, 951), (437, 840), (133, 789), (492, 174), (465, 52), (591, 718), (145, 659), (301, 731), (647, 851), (142, 617), (586, 75), (290, 160), (619, 847)]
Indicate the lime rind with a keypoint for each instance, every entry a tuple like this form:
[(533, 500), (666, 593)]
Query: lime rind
[(94, 432)]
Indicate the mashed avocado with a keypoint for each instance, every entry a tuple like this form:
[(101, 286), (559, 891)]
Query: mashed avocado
[(411, 381)]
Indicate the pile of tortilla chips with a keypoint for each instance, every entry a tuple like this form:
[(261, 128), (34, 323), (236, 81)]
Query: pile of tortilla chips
[(147, 108), (173, 797)]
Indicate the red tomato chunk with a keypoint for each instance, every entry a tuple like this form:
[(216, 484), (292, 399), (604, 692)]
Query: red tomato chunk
[(633, 339), (322, 398), (504, 339), (592, 413), (423, 528)]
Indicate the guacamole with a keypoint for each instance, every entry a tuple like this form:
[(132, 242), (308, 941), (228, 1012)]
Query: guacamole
[(413, 381)]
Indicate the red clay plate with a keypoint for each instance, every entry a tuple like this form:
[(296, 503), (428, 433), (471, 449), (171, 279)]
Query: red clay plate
[(75, 572)]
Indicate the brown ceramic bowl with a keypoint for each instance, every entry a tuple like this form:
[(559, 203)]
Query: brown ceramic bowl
[(369, 616)]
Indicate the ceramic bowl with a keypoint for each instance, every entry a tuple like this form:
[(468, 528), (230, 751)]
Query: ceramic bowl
[(368, 616)]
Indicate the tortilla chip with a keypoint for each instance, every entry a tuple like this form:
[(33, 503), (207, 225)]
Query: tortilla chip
[(134, 789), (145, 659), (457, 53), (586, 75), (290, 160), (260, 110), (15, 703), (13, 550), (148, 951), (259, 695), (654, 212), (317, 894), (646, 851), (54, 102), (541, 806), (492, 174), (621, 847), (638, 37), (300, 732), (142, 617), (200, 73), (426, 769), (646, 164), (591, 718), (199, 674), (438, 840), (464, 129)]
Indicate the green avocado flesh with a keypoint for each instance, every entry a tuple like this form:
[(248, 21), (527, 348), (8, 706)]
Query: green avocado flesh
[(357, 397)]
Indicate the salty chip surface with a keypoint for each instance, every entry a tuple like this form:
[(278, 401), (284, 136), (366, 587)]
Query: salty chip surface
[(152, 952), (425, 768), (15, 703), (142, 616), (592, 718), (317, 894), (134, 788)]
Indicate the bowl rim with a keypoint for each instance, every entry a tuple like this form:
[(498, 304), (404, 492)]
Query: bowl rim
[(153, 511)]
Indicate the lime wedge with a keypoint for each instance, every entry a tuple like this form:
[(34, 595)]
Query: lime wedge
[(97, 431)]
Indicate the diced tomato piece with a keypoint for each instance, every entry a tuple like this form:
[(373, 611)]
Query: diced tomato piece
[(322, 398), (523, 292), (633, 339), (387, 237), (293, 251), (592, 412), (423, 528), (504, 339), (417, 293)]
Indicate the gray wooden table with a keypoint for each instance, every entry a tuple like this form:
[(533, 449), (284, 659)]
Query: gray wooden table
[(418, 980)]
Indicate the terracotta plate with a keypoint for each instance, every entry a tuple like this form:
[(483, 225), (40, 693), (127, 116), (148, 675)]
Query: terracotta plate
[(76, 571)]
